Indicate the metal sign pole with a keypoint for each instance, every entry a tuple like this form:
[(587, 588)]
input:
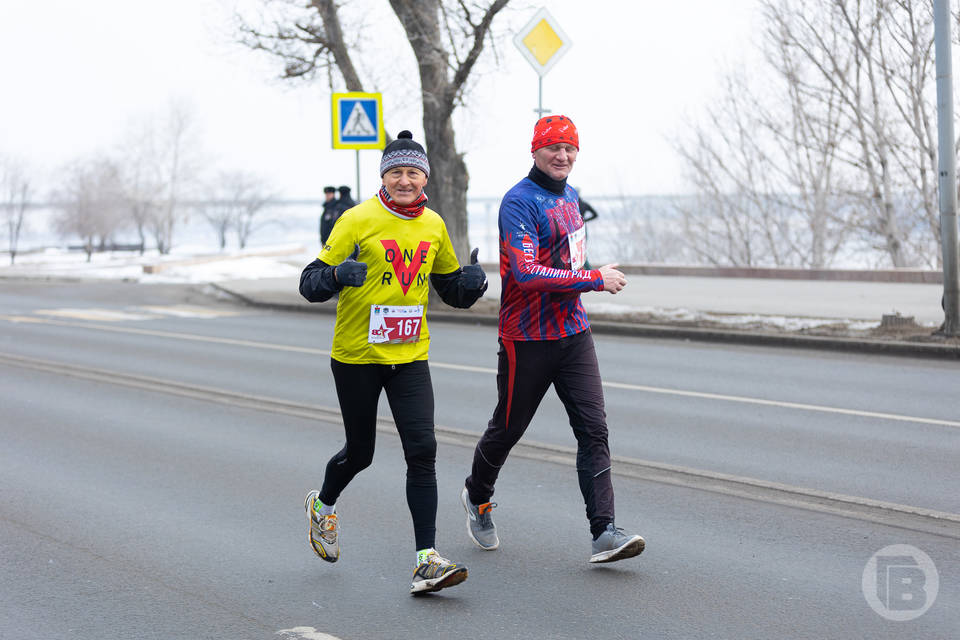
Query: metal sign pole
[(357, 124), (540, 99), (542, 42), (540, 110), (358, 173), (947, 169)]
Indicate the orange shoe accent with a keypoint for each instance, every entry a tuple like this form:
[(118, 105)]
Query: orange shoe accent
[(483, 508)]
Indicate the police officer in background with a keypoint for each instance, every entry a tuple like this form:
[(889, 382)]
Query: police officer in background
[(345, 202), (330, 214)]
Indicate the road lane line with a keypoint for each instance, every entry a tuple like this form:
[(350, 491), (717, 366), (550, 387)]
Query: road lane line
[(103, 315), (781, 404), (434, 364), (910, 517), (305, 633), (176, 335)]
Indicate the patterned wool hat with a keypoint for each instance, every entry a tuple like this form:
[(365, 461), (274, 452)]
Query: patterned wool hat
[(404, 152), (552, 130)]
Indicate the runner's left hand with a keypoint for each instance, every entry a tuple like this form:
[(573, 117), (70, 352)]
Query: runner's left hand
[(473, 276)]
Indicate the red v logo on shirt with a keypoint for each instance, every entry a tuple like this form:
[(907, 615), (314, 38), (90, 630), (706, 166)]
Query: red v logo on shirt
[(405, 272)]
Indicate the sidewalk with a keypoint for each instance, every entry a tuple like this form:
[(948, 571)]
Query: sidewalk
[(839, 315)]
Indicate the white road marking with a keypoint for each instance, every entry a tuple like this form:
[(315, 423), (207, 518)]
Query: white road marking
[(306, 633), (472, 369), (188, 311), (99, 315), (133, 314), (783, 405)]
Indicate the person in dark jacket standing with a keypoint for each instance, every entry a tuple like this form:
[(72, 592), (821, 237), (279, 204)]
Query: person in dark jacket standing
[(330, 214), (345, 202), (545, 340), (382, 256)]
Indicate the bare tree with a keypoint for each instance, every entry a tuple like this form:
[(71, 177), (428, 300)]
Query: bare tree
[(142, 188), (447, 38), (219, 215), (839, 142), (15, 194), (235, 203), (177, 169), (765, 162), (251, 196), (90, 203), (876, 56)]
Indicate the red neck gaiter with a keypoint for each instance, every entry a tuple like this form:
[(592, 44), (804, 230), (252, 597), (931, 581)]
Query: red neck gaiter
[(412, 210)]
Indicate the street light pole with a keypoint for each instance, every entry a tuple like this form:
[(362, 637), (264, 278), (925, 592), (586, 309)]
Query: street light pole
[(947, 168)]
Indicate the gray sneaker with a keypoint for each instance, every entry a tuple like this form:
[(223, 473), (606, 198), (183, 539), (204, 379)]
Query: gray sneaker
[(480, 525), (613, 544)]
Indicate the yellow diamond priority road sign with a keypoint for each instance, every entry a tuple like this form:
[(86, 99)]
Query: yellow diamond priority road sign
[(542, 42)]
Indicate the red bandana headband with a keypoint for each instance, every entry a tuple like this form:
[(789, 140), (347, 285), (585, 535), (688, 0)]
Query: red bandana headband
[(554, 130)]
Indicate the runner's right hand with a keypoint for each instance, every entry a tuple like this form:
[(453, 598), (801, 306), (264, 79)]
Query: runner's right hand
[(351, 273)]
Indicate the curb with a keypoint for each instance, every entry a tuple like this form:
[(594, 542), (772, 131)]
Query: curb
[(609, 327)]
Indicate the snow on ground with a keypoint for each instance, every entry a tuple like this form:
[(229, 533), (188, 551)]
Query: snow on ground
[(784, 323), (184, 265)]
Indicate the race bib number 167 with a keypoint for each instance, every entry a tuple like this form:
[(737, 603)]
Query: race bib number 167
[(395, 324)]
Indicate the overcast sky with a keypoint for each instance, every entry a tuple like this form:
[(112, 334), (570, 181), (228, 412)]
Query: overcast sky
[(75, 75)]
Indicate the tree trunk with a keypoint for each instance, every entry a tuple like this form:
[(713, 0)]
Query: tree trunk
[(448, 183), (447, 186), (446, 46)]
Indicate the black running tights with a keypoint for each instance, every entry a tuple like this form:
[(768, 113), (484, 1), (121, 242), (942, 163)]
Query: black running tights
[(525, 371), (410, 394)]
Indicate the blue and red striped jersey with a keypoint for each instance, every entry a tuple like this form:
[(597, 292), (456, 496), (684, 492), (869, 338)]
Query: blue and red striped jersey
[(541, 248)]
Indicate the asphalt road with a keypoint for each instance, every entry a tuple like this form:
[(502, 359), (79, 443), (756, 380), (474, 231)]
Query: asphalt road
[(157, 444)]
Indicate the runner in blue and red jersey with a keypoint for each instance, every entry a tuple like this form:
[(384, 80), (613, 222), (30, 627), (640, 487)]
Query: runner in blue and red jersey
[(545, 339)]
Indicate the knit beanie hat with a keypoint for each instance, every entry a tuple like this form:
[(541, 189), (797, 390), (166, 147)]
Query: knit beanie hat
[(552, 130), (404, 152)]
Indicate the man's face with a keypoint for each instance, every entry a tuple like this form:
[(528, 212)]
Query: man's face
[(556, 160), (329, 195), (404, 184)]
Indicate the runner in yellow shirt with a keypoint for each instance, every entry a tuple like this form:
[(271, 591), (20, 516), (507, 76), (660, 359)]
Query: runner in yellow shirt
[(379, 256)]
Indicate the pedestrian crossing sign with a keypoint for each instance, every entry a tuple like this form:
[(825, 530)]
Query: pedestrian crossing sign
[(357, 121)]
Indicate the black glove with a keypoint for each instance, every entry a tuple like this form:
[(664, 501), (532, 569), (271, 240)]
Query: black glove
[(473, 276), (351, 273)]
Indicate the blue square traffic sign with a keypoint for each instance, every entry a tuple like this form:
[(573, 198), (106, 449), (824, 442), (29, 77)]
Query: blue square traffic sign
[(357, 121)]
